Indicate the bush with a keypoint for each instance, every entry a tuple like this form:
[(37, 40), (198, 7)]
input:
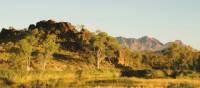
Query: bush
[(158, 74), (6, 74), (144, 73)]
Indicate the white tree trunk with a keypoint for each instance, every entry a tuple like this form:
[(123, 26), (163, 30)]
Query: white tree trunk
[(28, 64), (99, 58)]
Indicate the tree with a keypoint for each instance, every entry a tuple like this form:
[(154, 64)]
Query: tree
[(112, 46), (98, 45), (26, 48), (49, 46), (104, 46)]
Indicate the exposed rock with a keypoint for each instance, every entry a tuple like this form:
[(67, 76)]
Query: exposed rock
[(31, 27), (52, 26), (178, 42), (10, 33), (121, 57)]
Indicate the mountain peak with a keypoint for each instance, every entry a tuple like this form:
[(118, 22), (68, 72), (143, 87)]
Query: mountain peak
[(147, 38)]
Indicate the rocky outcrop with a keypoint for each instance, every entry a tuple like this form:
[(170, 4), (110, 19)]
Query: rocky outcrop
[(64, 30), (52, 26), (11, 34), (121, 57)]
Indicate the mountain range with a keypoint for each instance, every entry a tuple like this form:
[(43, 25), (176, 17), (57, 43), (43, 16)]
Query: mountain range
[(147, 43)]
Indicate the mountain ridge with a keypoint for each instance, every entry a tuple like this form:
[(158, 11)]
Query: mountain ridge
[(147, 43), (140, 44)]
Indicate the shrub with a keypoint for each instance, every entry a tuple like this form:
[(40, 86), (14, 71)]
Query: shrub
[(158, 74), (144, 73)]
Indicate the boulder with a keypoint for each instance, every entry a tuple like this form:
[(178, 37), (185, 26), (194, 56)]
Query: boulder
[(52, 26)]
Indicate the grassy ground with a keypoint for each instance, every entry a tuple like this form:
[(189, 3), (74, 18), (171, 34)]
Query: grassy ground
[(110, 82), (74, 73), (87, 78)]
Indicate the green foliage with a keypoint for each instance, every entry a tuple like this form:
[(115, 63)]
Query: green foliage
[(25, 51), (50, 47), (177, 57), (158, 74), (97, 42), (103, 46)]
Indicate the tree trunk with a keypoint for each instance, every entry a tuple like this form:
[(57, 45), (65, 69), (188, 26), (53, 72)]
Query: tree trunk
[(98, 58), (28, 64), (98, 64), (44, 66), (45, 63)]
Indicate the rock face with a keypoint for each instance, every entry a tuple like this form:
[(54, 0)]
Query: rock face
[(52, 26), (140, 44), (64, 30), (121, 57)]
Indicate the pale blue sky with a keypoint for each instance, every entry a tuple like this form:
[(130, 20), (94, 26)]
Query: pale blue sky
[(166, 20)]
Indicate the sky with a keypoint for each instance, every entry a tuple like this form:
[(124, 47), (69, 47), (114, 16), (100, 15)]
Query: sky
[(166, 20)]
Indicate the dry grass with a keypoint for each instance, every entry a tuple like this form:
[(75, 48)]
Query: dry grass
[(163, 83)]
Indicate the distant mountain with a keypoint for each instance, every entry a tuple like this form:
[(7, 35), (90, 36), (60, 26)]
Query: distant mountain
[(147, 43), (140, 44)]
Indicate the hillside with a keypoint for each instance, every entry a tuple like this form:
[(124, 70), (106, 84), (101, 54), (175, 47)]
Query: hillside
[(49, 51)]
